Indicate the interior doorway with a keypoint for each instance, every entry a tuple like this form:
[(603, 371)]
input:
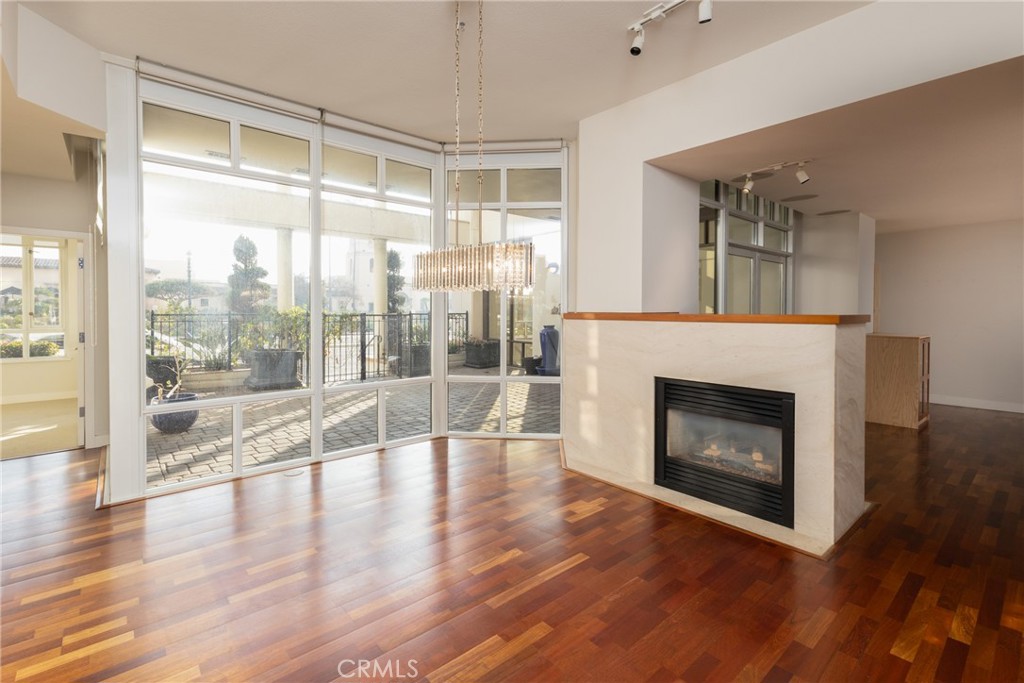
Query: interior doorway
[(42, 343)]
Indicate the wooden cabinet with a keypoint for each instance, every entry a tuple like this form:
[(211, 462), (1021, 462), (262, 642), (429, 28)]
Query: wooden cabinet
[(898, 370)]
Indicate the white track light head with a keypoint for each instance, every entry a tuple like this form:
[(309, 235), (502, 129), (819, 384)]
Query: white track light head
[(801, 175), (704, 11), (749, 185), (638, 43)]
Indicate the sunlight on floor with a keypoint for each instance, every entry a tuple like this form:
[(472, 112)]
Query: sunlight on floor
[(38, 427)]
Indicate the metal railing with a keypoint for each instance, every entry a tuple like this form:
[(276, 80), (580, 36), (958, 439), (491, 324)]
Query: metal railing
[(357, 346)]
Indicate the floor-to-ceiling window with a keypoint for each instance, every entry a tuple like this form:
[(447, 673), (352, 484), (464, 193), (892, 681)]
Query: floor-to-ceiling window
[(746, 247), (377, 215), (504, 362), (250, 363)]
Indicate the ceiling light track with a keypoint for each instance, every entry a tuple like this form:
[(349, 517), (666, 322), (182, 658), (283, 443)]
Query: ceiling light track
[(659, 12), (768, 171)]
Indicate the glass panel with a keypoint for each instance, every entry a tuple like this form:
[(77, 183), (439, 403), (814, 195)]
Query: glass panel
[(469, 189), (406, 181), (785, 215), (533, 408), (11, 346), (474, 346), (534, 185), (407, 412), (45, 286), (350, 420), (474, 227), (187, 445), (770, 209), (709, 189), (376, 326), (773, 287), (741, 231), (274, 153), (755, 205), (732, 198), (186, 136), (708, 224), (275, 431), (749, 450), (774, 238), (534, 317), (474, 407), (42, 345), (11, 286), (741, 278), (707, 279), (243, 245), (350, 170)]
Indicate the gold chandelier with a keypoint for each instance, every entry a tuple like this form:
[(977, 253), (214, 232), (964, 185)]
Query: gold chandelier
[(475, 267)]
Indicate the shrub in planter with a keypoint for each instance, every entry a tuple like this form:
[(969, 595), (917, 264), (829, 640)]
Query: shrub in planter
[(483, 353)]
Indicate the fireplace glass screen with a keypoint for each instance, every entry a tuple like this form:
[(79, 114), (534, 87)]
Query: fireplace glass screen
[(740, 448)]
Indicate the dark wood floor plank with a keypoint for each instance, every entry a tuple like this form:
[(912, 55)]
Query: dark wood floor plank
[(484, 560)]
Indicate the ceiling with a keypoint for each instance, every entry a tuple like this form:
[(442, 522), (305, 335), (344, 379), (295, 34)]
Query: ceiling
[(947, 152), (546, 64)]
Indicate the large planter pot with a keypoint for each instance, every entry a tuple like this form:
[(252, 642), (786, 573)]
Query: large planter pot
[(417, 363), (274, 369), (175, 423), (483, 355)]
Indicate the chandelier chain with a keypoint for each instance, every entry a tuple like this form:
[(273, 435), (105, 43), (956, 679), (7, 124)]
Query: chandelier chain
[(480, 108), (458, 151)]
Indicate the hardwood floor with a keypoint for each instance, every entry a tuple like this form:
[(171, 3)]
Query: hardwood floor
[(483, 560)]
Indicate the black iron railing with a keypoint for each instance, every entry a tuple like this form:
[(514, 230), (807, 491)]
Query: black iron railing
[(357, 346)]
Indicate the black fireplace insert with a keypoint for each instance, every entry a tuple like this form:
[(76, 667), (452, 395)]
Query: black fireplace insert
[(728, 445)]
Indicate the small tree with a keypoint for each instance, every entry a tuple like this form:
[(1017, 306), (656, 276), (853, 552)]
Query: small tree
[(395, 281), (246, 282), (175, 292)]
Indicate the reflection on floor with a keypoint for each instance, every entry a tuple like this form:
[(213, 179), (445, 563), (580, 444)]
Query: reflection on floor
[(38, 427), (278, 431)]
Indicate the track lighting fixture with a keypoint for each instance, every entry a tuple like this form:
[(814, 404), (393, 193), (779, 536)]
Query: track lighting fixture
[(768, 171), (638, 43), (704, 12), (657, 13), (801, 174)]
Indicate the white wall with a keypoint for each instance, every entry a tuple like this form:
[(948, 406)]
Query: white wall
[(52, 68), (963, 287), (835, 260), (879, 48), (29, 202), (670, 242)]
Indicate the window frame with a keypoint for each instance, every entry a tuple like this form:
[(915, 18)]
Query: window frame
[(28, 297)]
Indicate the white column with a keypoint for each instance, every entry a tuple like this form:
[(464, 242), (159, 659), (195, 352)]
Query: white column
[(380, 275), (126, 474), (285, 279)]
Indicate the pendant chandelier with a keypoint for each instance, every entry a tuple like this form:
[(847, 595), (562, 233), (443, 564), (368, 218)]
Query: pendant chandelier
[(475, 267)]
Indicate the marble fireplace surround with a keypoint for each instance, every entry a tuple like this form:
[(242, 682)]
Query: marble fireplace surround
[(610, 360)]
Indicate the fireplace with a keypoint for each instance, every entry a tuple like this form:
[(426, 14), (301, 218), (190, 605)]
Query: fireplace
[(732, 446)]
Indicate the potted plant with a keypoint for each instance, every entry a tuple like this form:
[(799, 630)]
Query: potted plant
[(170, 392), (281, 336), (418, 363), (482, 353)]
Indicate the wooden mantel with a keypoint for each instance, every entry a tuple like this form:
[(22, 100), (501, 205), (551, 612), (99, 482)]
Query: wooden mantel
[(823, 319)]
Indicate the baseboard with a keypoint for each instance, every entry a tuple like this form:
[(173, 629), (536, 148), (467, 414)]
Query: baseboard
[(976, 403), (44, 396)]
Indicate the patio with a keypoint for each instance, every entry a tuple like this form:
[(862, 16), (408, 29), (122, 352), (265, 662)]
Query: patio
[(277, 431)]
